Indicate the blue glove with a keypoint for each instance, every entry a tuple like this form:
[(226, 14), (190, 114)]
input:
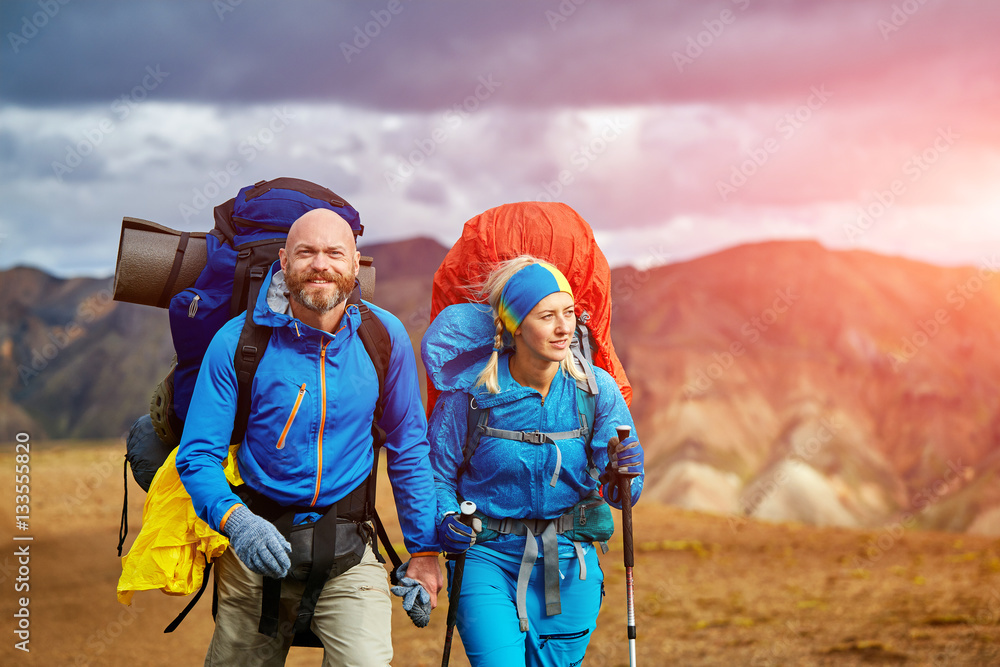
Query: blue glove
[(626, 458), (258, 543), (416, 599), (455, 537)]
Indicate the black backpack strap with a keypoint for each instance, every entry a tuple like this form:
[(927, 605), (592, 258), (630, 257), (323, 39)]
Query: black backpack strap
[(378, 345), (224, 229), (270, 603), (477, 423), (175, 270), (253, 260), (249, 350), (123, 529), (197, 596)]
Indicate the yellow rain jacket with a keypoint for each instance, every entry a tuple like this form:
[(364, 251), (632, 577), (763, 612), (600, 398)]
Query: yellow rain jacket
[(174, 545)]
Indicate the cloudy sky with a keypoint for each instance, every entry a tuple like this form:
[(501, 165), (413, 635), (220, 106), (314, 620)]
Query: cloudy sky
[(675, 128)]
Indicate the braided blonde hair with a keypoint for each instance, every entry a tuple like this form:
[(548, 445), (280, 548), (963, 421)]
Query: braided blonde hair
[(490, 291)]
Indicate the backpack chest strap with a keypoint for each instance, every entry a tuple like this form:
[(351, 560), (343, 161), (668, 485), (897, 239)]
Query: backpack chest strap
[(533, 437)]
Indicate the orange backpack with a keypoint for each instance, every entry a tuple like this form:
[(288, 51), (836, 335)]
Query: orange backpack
[(553, 232)]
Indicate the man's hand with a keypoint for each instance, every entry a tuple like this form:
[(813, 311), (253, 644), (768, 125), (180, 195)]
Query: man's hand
[(427, 571), (258, 543)]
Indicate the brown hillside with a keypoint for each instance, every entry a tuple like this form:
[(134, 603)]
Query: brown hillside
[(867, 381), (708, 591), (779, 380)]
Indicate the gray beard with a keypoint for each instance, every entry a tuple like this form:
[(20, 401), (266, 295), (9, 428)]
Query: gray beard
[(317, 303)]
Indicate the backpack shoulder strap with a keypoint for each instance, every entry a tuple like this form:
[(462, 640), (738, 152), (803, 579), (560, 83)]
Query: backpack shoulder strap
[(586, 405), (253, 261), (375, 337), (249, 351), (477, 424), (378, 345)]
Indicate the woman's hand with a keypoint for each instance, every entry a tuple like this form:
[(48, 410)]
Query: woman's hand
[(456, 537)]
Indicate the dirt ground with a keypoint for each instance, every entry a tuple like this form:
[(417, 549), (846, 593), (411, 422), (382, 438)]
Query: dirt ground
[(708, 590)]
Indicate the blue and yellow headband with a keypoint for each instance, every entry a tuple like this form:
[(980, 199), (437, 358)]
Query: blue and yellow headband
[(526, 288)]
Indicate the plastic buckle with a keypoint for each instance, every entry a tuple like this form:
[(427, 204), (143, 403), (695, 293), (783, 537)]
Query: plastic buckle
[(535, 437)]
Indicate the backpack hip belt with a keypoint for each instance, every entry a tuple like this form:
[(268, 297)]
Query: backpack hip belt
[(335, 543), (568, 524)]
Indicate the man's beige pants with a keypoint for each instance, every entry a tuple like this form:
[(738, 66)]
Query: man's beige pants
[(352, 617)]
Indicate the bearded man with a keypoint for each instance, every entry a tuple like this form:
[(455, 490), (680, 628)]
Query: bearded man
[(308, 449)]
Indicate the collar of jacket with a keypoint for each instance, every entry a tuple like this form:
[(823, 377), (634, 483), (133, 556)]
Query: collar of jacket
[(510, 389), (274, 310)]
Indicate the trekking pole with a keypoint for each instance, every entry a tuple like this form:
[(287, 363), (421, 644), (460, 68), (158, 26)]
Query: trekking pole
[(468, 508), (624, 481)]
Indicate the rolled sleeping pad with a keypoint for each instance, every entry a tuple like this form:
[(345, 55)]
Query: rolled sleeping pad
[(156, 262)]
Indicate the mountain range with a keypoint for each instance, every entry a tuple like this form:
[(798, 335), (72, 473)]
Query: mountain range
[(780, 380)]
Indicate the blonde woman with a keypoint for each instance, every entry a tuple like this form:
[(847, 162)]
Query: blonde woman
[(516, 433)]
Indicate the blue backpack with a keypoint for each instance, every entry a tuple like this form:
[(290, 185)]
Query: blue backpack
[(249, 230)]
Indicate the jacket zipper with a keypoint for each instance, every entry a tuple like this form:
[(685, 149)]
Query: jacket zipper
[(193, 308), (291, 417), (322, 420)]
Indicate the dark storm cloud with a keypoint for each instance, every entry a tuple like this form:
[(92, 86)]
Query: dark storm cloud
[(430, 55)]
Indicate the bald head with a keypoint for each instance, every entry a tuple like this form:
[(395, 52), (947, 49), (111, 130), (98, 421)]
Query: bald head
[(320, 225), (320, 260)]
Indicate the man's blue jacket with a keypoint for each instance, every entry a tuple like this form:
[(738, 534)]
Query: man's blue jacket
[(309, 436)]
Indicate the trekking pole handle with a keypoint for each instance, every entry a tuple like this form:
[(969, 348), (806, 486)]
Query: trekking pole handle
[(467, 508), (623, 432)]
